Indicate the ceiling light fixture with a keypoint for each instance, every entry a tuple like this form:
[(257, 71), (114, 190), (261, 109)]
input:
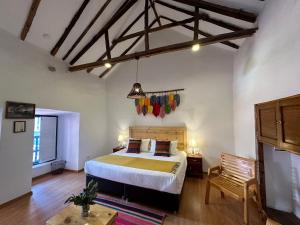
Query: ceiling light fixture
[(108, 65), (196, 47), (136, 91)]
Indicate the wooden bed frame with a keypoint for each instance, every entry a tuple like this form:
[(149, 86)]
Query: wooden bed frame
[(151, 197)]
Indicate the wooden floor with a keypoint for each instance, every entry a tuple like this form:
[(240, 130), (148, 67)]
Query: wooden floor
[(50, 192)]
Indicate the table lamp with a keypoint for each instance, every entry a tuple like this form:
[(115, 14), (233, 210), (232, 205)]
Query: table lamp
[(121, 140)]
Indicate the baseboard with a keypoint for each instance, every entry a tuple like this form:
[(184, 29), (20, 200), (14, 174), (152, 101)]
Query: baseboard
[(41, 176), (16, 199), (74, 171)]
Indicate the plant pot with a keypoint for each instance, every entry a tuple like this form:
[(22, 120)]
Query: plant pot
[(85, 210)]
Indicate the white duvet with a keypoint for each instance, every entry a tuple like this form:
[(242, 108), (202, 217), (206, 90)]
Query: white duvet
[(161, 181)]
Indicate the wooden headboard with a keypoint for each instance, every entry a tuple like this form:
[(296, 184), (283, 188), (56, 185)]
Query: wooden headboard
[(161, 133)]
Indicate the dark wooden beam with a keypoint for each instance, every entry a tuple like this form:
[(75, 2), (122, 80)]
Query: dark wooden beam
[(123, 53), (169, 48), (220, 9), (128, 49), (107, 45), (146, 25), (155, 12), (69, 28), (206, 18), (196, 23), (33, 9), (99, 13), (120, 12), (205, 34), (163, 27), (121, 35)]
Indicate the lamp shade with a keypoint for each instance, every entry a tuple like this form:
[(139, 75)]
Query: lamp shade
[(136, 92)]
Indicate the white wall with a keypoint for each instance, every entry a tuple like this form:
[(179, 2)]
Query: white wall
[(266, 67), (24, 77), (206, 106)]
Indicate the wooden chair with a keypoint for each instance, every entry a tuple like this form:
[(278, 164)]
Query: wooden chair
[(236, 176), (272, 222)]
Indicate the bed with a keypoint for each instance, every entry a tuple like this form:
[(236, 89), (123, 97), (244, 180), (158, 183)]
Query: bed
[(162, 189)]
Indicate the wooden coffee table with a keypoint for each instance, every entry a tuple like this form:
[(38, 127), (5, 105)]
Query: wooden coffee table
[(71, 215)]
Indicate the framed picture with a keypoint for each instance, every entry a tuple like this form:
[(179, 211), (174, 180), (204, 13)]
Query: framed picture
[(19, 126), (18, 110)]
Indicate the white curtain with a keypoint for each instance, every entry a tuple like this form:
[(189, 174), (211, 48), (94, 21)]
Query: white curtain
[(48, 139)]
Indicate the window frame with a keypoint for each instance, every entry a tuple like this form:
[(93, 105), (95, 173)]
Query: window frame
[(56, 131)]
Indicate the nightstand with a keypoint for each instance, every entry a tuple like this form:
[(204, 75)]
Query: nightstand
[(116, 149), (194, 166)]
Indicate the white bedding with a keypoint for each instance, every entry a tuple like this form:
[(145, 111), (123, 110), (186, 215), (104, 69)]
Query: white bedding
[(161, 181)]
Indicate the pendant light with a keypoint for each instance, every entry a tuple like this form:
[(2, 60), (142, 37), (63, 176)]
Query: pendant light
[(136, 91)]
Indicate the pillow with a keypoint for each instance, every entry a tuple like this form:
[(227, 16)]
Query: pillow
[(152, 145), (145, 145), (173, 147), (162, 148), (134, 146)]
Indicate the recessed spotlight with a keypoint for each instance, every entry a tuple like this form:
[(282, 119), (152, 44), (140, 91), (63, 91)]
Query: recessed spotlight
[(196, 47), (46, 36), (107, 65), (51, 68)]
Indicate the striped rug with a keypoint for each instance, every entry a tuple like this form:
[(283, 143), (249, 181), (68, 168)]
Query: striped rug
[(131, 214)]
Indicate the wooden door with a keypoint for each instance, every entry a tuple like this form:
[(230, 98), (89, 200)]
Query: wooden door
[(266, 122), (289, 121)]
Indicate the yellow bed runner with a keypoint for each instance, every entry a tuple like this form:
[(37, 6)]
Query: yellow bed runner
[(140, 163)]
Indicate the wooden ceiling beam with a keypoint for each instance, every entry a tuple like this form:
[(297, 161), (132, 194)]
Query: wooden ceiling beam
[(120, 12), (196, 23), (206, 18), (128, 49), (69, 28), (98, 14), (107, 45), (121, 35), (169, 48), (163, 27), (220, 9), (33, 9), (155, 12), (203, 33), (146, 18)]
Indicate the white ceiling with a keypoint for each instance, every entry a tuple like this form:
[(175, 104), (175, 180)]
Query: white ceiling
[(53, 16)]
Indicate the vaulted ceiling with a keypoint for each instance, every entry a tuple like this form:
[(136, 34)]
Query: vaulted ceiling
[(76, 30)]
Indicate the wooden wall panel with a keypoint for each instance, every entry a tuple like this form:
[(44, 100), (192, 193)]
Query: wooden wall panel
[(161, 133)]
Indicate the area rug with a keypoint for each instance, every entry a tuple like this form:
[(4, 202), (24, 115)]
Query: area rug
[(131, 214)]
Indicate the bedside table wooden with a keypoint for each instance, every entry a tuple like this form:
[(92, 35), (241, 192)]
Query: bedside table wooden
[(116, 149), (194, 166)]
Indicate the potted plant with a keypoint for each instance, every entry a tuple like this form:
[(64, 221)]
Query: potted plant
[(85, 198)]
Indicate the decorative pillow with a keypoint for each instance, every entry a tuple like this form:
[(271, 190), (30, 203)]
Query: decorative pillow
[(173, 147), (134, 146), (162, 148), (145, 145), (152, 145)]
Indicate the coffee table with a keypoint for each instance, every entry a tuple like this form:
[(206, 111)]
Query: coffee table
[(71, 215)]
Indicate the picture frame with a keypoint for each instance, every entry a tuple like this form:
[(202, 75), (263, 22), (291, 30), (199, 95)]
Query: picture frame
[(19, 110), (19, 126)]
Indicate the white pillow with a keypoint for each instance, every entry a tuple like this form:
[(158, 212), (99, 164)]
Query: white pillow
[(173, 147), (153, 145), (145, 145)]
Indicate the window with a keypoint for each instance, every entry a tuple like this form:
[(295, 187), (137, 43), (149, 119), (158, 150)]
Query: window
[(45, 139)]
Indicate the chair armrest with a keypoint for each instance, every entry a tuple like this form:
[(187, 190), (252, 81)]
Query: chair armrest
[(250, 182), (214, 170)]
